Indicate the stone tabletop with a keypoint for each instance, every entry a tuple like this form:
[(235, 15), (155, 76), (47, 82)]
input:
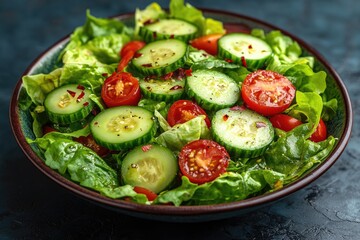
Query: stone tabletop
[(34, 207)]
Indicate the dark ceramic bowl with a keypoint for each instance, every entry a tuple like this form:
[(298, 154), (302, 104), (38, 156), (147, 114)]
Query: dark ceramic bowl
[(339, 127)]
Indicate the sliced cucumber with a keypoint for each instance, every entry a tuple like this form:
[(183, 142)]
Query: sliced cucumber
[(123, 127), (161, 57), (68, 104), (244, 133), (212, 90), (168, 28), (241, 48), (162, 90), (71, 127), (153, 167)]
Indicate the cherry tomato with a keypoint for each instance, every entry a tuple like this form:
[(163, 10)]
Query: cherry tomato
[(128, 52), (184, 110), (267, 92), (287, 123), (121, 88), (88, 141), (203, 160), (237, 28), (320, 133), (284, 122), (148, 193), (207, 43)]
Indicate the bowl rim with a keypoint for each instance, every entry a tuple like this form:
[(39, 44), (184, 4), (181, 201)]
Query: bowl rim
[(185, 211)]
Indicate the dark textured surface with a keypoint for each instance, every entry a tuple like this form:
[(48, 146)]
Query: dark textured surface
[(33, 207)]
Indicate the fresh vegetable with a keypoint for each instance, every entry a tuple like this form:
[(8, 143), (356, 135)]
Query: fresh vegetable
[(208, 43), (210, 116), (203, 160), (182, 111), (267, 92), (120, 89)]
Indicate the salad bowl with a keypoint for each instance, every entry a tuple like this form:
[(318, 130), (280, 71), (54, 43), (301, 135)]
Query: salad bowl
[(339, 126)]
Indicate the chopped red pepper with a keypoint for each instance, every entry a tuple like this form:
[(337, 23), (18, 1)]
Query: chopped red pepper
[(80, 87), (243, 61), (146, 148), (72, 93), (81, 96)]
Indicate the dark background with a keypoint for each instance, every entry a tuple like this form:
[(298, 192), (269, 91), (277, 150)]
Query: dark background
[(34, 207)]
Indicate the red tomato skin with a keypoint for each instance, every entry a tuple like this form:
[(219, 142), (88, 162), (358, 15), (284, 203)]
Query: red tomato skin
[(320, 133), (284, 122), (208, 43), (132, 94), (132, 46), (176, 112), (148, 193), (259, 88), (203, 154)]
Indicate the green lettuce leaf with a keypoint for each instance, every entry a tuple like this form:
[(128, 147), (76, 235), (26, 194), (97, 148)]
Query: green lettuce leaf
[(179, 135), (150, 13)]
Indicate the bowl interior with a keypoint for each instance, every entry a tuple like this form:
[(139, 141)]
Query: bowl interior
[(340, 127)]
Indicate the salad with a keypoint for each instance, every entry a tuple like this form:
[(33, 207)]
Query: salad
[(180, 109)]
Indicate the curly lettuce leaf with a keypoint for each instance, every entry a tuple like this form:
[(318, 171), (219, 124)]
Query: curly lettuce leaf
[(228, 187), (179, 135), (150, 13)]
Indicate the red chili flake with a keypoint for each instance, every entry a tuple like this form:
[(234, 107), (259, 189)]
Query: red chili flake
[(146, 148), (80, 87), (86, 104), (229, 60), (260, 124), (147, 65), (243, 61), (167, 76), (250, 46), (225, 117), (176, 87), (172, 36), (94, 112), (149, 21), (238, 108), (137, 54), (104, 74), (154, 35), (188, 72), (81, 96), (72, 93)]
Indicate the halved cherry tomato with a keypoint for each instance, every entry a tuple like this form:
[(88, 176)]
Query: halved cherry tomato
[(203, 160), (184, 110), (207, 43), (237, 28), (320, 133), (128, 52), (148, 193), (287, 123), (88, 141), (267, 92), (121, 88)]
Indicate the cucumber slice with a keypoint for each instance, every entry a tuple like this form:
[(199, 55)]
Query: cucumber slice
[(212, 90), (161, 57), (168, 28), (68, 128), (153, 167), (123, 127), (68, 104), (162, 90), (244, 133), (244, 49)]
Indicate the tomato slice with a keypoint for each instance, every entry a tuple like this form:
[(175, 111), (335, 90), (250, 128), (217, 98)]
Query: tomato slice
[(121, 88), (207, 43), (148, 193), (128, 52), (88, 141), (184, 110), (320, 133), (287, 123), (284, 122), (203, 160), (267, 92)]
